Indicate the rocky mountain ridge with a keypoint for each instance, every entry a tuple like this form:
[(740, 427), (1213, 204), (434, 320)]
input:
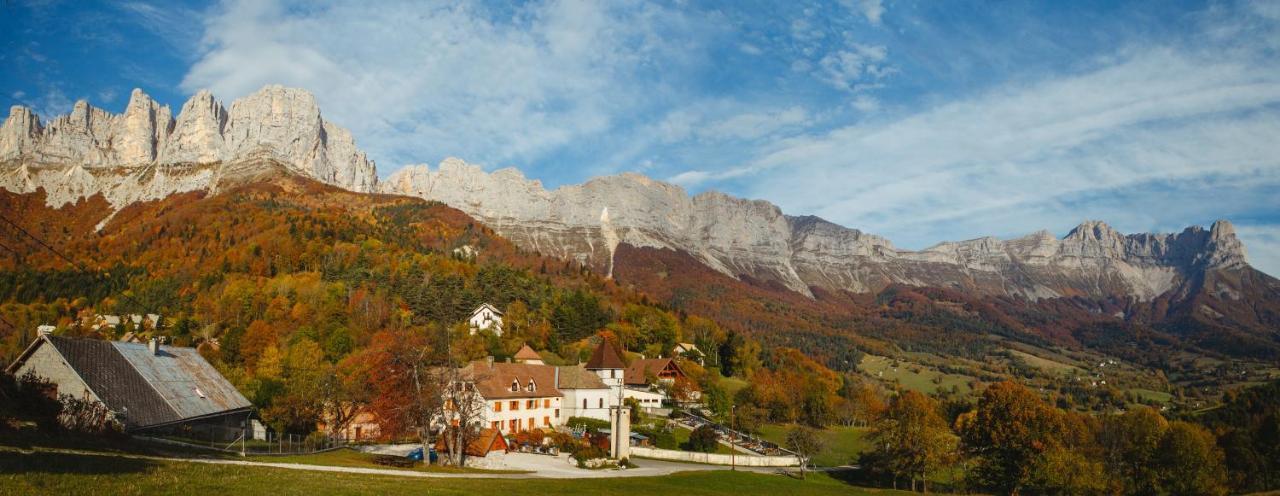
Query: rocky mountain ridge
[(145, 153), (753, 238)]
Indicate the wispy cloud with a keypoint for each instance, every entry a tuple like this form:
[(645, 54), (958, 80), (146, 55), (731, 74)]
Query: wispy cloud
[(462, 80)]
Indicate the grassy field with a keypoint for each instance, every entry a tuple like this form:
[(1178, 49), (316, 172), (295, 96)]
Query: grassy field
[(843, 444), (1149, 395), (353, 458), (66, 474), (925, 380)]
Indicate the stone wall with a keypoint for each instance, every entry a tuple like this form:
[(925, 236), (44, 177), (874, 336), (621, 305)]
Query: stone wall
[(46, 362), (716, 458)]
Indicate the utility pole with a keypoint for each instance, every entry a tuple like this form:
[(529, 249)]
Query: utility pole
[(733, 444)]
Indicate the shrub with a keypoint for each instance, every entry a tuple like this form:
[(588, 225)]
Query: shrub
[(587, 423), (703, 439), (588, 453)]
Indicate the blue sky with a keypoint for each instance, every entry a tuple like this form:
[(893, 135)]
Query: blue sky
[(920, 121)]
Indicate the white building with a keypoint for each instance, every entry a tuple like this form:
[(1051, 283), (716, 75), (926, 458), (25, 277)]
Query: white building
[(585, 395), (486, 317), (609, 367), (517, 396)]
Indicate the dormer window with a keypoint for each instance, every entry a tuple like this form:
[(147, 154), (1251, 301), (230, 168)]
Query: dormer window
[(531, 387), (515, 385)]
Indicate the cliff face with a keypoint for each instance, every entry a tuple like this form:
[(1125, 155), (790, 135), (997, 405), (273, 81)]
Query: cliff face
[(144, 153), (754, 238)]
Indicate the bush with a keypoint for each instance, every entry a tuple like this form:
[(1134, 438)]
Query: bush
[(587, 423), (703, 439), (28, 399), (588, 453), (565, 442)]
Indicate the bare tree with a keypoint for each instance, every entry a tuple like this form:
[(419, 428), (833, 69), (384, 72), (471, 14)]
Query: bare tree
[(462, 409), (805, 442)]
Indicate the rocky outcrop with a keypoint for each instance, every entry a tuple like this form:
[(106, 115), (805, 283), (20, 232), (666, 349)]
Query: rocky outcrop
[(144, 153), (754, 238)]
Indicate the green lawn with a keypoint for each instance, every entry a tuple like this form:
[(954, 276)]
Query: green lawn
[(1149, 395), (353, 458), (926, 380), (843, 444), (66, 474)]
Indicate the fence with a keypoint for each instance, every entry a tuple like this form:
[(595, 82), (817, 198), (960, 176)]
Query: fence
[(237, 440)]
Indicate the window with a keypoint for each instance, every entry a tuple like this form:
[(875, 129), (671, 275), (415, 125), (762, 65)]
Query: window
[(584, 403), (531, 387), (546, 421), (497, 406), (613, 373), (533, 423), (513, 425), (530, 404), (557, 413), (601, 403), (546, 403), (515, 385), (495, 425), (515, 405)]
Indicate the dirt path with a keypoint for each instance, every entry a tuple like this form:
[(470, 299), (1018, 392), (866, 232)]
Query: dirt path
[(542, 466)]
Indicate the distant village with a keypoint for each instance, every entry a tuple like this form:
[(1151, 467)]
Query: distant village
[(151, 388)]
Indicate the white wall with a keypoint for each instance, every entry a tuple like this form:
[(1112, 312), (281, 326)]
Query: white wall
[(716, 458), (598, 403), (486, 319), (524, 413), (46, 362)]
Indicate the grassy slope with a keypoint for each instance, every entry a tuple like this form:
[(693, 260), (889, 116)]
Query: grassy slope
[(82, 474), (882, 368), (843, 444), (352, 458)]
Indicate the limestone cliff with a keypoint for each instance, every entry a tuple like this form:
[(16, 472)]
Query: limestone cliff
[(754, 238), (144, 153)]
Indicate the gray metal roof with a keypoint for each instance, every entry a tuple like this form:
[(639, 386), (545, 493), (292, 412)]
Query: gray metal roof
[(184, 379), (174, 385)]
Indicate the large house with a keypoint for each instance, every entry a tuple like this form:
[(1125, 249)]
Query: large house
[(485, 317), (144, 386), (516, 396)]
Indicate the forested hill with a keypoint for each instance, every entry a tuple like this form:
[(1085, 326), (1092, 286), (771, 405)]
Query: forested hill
[(259, 268)]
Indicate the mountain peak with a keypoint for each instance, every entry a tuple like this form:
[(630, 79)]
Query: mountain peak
[(276, 122)]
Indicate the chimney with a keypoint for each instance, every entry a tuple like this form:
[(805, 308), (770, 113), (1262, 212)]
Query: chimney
[(489, 361), (154, 346), (557, 377)]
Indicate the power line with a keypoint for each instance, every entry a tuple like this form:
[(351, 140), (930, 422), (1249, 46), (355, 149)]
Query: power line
[(68, 259)]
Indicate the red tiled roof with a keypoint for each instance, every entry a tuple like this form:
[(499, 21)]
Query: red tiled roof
[(494, 381), (605, 357), (642, 368), (527, 353)]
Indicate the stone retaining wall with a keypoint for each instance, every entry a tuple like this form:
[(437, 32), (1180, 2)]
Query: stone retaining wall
[(716, 458)]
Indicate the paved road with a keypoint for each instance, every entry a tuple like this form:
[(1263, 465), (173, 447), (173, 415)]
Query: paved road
[(543, 466)]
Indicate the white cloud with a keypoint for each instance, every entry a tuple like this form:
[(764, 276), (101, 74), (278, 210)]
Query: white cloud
[(1263, 244), (1028, 156), (865, 103), (873, 9), (418, 83), (857, 67)]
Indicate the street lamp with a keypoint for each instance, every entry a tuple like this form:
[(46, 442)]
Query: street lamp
[(733, 445)]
